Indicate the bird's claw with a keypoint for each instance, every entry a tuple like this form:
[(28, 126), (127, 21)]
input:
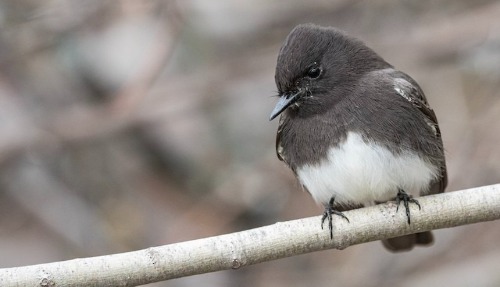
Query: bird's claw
[(327, 214), (402, 196)]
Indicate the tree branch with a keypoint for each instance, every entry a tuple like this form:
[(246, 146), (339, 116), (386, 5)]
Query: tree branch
[(248, 247)]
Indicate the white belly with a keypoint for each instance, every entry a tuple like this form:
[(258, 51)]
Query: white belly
[(362, 172)]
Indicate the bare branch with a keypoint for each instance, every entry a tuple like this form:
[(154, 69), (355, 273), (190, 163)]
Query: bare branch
[(280, 240)]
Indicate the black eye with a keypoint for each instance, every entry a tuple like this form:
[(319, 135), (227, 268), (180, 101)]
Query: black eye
[(314, 72)]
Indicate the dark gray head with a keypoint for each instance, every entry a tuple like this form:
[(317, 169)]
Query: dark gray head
[(316, 65)]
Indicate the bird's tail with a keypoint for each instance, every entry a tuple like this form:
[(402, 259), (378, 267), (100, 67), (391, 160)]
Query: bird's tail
[(407, 242)]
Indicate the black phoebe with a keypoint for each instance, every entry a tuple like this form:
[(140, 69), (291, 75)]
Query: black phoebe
[(353, 129)]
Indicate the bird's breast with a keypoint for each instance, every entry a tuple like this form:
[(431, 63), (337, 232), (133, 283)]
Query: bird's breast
[(359, 171)]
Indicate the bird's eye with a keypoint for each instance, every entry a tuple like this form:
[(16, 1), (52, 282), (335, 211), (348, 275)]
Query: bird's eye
[(314, 72)]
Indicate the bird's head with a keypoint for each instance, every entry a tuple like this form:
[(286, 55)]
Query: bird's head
[(316, 64)]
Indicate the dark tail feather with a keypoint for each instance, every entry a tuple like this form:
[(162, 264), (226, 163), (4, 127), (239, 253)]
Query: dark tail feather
[(407, 242)]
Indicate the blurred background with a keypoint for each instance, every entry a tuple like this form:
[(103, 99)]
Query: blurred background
[(130, 124)]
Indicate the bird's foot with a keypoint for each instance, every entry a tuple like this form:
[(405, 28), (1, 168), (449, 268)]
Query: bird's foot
[(404, 197), (329, 210)]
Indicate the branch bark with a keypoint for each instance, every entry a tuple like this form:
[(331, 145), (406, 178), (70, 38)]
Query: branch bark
[(282, 239)]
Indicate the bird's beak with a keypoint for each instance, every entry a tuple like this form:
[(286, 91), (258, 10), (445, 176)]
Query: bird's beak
[(284, 102)]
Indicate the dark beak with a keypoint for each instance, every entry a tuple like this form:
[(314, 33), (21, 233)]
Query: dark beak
[(284, 102)]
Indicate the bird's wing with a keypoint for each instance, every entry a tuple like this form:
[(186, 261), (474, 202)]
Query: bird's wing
[(407, 88), (416, 97)]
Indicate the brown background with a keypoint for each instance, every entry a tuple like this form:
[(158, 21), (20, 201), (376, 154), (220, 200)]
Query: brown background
[(129, 124)]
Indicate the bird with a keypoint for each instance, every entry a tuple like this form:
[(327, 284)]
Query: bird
[(355, 130)]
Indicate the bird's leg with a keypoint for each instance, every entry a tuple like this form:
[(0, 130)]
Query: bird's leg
[(329, 210), (406, 199)]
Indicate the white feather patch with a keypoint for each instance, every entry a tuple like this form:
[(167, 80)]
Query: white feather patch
[(362, 172)]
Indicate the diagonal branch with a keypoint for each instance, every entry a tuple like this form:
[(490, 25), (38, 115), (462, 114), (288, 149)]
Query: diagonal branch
[(280, 240)]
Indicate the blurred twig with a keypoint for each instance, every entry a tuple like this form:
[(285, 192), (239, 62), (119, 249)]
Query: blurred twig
[(86, 123), (267, 243), (35, 190), (157, 56)]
